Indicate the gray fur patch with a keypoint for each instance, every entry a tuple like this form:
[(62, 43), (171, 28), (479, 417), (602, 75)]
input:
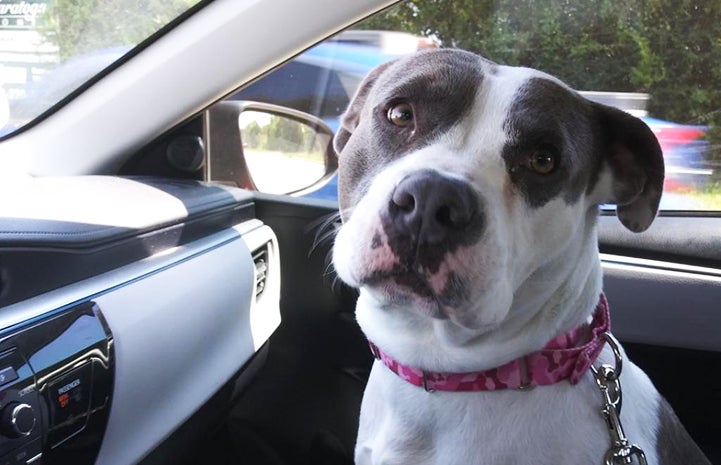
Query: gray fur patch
[(546, 116), (440, 85), (674, 445)]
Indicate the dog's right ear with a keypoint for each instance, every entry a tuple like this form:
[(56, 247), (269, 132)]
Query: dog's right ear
[(635, 160), (349, 120)]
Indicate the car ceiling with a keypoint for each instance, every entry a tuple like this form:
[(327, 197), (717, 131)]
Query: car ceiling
[(225, 44)]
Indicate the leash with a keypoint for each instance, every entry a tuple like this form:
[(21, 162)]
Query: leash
[(607, 377)]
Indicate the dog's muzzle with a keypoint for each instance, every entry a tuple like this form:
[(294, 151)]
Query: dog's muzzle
[(429, 209)]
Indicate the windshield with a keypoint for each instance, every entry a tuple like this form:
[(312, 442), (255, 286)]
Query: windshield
[(50, 48)]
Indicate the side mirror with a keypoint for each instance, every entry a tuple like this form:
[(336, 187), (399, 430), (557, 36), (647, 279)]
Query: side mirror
[(268, 148)]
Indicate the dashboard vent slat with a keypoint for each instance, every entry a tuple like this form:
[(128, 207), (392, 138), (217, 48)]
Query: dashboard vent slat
[(260, 260)]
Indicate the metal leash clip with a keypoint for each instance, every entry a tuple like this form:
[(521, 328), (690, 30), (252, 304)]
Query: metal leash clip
[(621, 451)]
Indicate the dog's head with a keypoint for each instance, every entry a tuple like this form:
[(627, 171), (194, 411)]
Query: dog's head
[(463, 183)]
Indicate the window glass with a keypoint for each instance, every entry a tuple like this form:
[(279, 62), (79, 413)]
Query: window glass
[(659, 60), (50, 48), (306, 87)]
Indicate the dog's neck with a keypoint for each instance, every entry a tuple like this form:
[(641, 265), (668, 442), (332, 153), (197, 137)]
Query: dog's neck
[(565, 358), (541, 310)]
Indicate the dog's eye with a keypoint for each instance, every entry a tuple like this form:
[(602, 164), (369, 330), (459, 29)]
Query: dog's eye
[(400, 114), (542, 161)]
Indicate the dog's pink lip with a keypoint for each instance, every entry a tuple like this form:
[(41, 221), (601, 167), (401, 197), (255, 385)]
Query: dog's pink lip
[(397, 284), (399, 275)]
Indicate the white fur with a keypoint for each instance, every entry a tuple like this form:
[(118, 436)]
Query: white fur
[(559, 424), (534, 274)]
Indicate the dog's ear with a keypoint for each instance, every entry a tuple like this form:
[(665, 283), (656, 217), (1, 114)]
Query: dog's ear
[(635, 159), (349, 120)]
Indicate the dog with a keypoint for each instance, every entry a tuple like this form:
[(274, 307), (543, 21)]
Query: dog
[(469, 195)]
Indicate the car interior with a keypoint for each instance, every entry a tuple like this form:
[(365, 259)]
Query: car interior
[(156, 308)]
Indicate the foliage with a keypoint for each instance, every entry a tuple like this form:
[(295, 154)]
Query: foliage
[(707, 196), (670, 49), (281, 134), (82, 26), (685, 35)]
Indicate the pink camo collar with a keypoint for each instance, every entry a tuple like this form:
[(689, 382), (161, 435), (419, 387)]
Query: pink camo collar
[(560, 359)]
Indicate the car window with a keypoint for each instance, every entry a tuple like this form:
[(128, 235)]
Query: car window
[(306, 87), (51, 48), (657, 60)]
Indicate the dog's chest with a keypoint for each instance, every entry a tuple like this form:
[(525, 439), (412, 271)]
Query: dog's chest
[(558, 424)]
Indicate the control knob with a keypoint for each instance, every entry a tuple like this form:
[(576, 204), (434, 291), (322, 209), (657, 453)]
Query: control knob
[(17, 420)]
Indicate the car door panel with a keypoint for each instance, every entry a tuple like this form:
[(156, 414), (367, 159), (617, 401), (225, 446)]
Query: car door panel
[(679, 307), (688, 238)]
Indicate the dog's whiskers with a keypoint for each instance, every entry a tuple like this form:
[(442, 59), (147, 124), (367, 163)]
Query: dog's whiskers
[(323, 222), (329, 268), (322, 238), (326, 228)]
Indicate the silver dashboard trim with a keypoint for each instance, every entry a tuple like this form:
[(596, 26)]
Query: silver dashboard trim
[(29, 310)]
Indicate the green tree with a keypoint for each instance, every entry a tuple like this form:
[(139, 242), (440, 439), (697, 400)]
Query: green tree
[(252, 135), (670, 49), (283, 134), (311, 142), (594, 35), (81, 26), (684, 37)]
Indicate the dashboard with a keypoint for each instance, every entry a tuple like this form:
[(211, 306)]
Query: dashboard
[(114, 294)]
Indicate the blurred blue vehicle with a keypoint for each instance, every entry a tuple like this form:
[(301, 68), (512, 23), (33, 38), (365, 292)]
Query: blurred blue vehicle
[(320, 81)]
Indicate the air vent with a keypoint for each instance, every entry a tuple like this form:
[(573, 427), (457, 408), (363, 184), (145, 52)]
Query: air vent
[(260, 260)]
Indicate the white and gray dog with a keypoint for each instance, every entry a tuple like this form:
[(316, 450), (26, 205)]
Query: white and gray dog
[(470, 196)]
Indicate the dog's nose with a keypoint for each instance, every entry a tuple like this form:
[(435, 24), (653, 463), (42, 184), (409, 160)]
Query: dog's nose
[(436, 209)]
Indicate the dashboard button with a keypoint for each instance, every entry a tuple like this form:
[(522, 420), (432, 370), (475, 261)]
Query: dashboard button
[(69, 399), (7, 375)]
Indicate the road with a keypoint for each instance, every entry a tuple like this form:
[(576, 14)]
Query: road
[(279, 173)]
